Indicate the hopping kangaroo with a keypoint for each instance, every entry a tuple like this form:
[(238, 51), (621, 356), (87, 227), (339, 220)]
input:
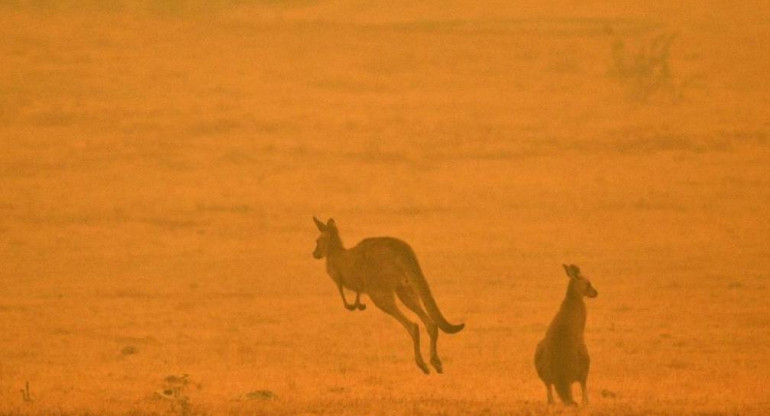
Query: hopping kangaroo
[(562, 357), (384, 268)]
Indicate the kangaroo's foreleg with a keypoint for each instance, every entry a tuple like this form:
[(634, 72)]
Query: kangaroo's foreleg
[(348, 306)]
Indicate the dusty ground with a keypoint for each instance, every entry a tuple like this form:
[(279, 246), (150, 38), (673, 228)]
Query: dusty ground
[(160, 163)]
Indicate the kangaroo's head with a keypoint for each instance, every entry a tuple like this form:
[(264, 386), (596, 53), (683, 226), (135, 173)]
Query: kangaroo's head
[(578, 284), (328, 240)]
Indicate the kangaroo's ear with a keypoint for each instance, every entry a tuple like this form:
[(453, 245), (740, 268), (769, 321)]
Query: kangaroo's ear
[(320, 224), (572, 271), (331, 224), (575, 271)]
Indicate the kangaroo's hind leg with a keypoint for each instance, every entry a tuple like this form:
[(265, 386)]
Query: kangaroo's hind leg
[(387, 302), (412, 301), (358, 304), (585, 391)]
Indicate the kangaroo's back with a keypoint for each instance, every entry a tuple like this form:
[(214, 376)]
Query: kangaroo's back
[(384, 251), (381, 261)]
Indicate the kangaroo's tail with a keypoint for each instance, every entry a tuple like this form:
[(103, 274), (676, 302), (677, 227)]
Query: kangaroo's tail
[(430, 302), (564, 390)]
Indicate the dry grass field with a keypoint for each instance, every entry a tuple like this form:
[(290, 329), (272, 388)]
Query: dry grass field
[(160, 163)]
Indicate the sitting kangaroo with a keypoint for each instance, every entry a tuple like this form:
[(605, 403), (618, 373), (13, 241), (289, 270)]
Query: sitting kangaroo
[(383, 268), (562, 357)]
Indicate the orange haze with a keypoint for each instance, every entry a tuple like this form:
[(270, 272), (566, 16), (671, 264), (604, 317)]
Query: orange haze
[(161, 161)]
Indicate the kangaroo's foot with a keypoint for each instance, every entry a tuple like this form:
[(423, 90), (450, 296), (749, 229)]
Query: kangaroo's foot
[(423, 366), (357, 304), (436, 363)]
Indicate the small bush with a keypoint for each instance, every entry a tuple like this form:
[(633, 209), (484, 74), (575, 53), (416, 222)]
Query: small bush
[(643, 65)]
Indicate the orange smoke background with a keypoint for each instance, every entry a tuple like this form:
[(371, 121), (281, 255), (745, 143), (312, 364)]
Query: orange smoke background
[(160, 163)]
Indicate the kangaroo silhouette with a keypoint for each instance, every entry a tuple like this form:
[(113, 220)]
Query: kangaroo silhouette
[(561, 358), (383, 268)]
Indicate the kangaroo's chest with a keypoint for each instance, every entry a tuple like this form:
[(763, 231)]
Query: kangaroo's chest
[(567, 328), (349, 277)]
